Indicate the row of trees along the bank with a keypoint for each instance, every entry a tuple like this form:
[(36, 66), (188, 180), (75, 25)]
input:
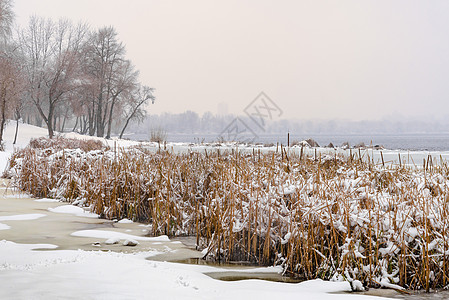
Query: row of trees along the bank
[(67, 76)]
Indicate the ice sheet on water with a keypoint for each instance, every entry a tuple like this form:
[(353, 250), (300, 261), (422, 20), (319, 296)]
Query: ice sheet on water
[(112, 234), (4, 226), (22, 217), (47, 200)]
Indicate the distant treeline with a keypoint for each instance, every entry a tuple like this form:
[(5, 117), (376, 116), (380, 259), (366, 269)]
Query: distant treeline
[(192, 122)]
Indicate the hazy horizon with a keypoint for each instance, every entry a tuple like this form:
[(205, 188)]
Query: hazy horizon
[(354, 60)]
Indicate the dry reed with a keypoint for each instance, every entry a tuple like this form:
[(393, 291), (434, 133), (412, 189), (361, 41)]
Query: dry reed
[(317, 216)]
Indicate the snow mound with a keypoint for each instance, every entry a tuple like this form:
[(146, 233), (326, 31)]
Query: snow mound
[(46, 200), (4, 226), (104, 234), (23, 217), (74, 210), (125, 221)]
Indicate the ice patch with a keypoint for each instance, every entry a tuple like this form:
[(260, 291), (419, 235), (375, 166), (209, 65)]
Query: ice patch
[(24, 217), (21, 196), (46, 200), (74, 210), (13, 246), (4, 226), (104, 234)]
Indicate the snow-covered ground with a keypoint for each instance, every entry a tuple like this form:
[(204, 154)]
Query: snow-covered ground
[(42, 271), (30, 274)]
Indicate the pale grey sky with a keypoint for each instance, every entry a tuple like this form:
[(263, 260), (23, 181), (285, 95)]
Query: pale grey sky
[(316, 59)]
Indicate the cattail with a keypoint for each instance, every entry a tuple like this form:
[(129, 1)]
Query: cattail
[(318, 215)]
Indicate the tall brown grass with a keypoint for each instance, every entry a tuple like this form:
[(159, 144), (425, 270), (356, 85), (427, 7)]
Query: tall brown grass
[(327, 217)]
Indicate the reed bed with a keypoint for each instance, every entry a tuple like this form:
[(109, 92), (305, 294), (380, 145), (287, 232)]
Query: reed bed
[(329, 217)]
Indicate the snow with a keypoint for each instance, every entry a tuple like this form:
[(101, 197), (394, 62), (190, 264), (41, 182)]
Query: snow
[(21, 217), (385, 283), (130, 243), (4, 226), (286, 238), (47, 200), (70, 274), (104, 234), (125, 221), (112, 241), (4, 156), (71, 209), (357, 286)]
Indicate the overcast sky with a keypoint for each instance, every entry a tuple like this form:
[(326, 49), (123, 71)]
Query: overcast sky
[(316, 59)]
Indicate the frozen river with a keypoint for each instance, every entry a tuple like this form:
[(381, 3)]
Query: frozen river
[(430, 142)]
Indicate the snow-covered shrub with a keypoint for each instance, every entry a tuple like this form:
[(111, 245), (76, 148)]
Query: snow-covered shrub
[(60, 143)]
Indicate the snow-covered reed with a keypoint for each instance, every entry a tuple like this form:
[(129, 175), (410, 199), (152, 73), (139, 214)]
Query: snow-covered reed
[(329, 217)]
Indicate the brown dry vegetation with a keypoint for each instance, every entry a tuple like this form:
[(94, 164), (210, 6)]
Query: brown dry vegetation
[(319, 217), (59, 143)]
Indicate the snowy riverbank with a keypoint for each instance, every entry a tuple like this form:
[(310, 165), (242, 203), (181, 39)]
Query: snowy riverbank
[(94, 274)]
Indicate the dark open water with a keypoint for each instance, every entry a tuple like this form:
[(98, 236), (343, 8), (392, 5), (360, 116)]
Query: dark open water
[(430, 142)]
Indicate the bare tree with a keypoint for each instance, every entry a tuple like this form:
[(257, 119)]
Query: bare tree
[(105, 57), (21, 102), (126, 83), (83, 102), (17, 116), (10, 76), (133, 108), (52, 58), (75, 74), (6, 18), (10, 88)]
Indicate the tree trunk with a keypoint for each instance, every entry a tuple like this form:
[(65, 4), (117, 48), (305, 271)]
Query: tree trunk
[(130, 117), (47, 119), (104, 117), (84, 124), (100, 128), (108, 135), (50, 130), (99, 121), (38, 120), (2, 126), (17, 126), (91, 120), (76, 124), (54, 123), (124, 127), (63, 123), (17, 131), (50, 121), (3, 120)]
